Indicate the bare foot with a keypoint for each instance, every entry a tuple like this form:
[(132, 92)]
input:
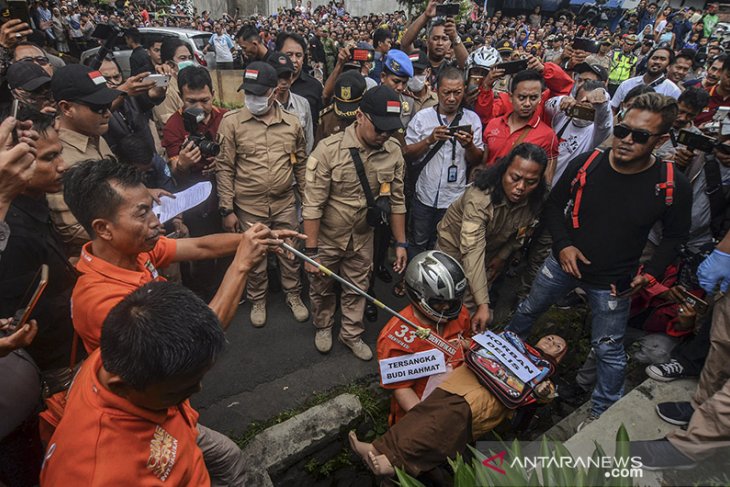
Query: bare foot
[(364, 450), (381, 465)]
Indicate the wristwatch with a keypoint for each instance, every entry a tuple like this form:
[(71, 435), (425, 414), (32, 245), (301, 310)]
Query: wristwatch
[(224, 212), (402, 245), (457, 41)]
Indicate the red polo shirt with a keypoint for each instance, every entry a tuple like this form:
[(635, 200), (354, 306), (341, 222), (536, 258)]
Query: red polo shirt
[(716, 101), (174, 133), (499, 140), (102, 285)]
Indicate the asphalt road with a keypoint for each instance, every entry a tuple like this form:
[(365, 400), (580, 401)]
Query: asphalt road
[(268, 370)]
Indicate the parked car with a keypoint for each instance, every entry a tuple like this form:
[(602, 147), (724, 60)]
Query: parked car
[(196, 39)]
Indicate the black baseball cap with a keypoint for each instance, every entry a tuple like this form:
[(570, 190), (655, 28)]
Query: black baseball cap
[(281, 63), (599, 70), (27, 75), (419, 59), (258, 78), (349, 88), (383, 105), (76, 82)]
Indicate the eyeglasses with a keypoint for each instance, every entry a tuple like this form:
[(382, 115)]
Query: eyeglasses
[(39, 60), (98, 109), (621, 131), (377, 130)]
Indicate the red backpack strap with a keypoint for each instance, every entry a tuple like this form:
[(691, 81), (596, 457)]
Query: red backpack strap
[(578, 183), (668, 184)]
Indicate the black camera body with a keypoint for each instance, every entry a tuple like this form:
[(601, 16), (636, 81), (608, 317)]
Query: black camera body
[(191, 118)]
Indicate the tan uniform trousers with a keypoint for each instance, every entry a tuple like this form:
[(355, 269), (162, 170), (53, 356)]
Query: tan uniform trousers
[(709, 427), (258, 281), (352, 266)]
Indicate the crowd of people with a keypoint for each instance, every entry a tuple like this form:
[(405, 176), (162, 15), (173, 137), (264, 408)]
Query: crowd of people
[(588, 156)]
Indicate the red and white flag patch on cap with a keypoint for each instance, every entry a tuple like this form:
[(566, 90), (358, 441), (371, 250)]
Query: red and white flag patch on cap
[(413, 57), (393, 107), (251, 74), (97, 78)]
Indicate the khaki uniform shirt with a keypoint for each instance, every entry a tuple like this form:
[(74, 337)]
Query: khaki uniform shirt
[(333, 193), (429, 100), (258, 163), (475, 230), (76, 148), (330, 124), (172, 103)]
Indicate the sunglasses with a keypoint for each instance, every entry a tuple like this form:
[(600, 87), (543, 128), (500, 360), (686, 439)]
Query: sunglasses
[(39, 60), (621, 131), (98, 109)]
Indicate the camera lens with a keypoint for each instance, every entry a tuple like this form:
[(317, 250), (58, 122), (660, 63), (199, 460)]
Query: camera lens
[(209, 148)]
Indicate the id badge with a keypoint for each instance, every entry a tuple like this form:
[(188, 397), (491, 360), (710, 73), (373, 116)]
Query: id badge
[(452, 174)]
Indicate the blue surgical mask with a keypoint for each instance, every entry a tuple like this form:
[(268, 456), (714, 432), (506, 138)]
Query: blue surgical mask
[(184, 64)]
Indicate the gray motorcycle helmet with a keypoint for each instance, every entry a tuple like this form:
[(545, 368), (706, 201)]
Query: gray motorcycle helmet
[(434, 277)]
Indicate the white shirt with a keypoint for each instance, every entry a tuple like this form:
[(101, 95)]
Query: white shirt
[(666, 87), (432, 187), (299, 106), (222, 45), (575, 139)]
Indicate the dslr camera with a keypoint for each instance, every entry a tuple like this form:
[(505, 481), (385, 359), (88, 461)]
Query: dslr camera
[(191, 118)]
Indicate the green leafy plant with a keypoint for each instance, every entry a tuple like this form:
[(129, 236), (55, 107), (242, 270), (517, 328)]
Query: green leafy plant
[(548, 473)]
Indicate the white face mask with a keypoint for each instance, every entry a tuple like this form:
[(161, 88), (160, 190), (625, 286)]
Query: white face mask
[(258, 105), (416, 83), (184, 64), (581, 123)]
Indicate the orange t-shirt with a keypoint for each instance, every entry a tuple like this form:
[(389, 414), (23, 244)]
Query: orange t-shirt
[(102, 285), (104, 440), (397, 339)]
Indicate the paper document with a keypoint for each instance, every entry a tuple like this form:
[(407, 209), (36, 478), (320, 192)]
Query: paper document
[(508, 355), (184, 200)]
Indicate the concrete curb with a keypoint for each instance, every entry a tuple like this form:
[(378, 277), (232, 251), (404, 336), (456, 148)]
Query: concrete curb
[(282, 445)]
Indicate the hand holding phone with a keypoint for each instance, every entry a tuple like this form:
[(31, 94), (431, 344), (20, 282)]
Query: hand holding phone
[(447, 10), (11, 340), (161, 80), (22, 316), (512, 67)]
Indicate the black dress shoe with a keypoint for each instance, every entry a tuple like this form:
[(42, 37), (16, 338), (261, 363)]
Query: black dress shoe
[(371, 312), (384, 274)]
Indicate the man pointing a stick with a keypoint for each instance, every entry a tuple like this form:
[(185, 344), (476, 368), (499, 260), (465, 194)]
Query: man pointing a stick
[(335, 210)]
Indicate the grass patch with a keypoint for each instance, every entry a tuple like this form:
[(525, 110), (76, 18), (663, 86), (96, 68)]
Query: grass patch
[(326, 469), (371, 399)]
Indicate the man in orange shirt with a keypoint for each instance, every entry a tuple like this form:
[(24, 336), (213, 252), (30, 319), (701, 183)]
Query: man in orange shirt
[(128, 419), (126, 249), (435, 284)]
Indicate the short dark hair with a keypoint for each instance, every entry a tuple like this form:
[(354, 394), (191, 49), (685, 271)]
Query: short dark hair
[(169, 46), (492, 178), (449, 72), (664, 106), (689, 54), (134, 35), (663, 47), (41, 121), (88, 191), (638, 90), (133, 149), (248, 33), (526, 75), (284, 36), (158, 332), (195, 78), (695, 98), (380, 35)]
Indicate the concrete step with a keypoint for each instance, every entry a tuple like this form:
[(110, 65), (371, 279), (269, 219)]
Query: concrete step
[(636, 411)]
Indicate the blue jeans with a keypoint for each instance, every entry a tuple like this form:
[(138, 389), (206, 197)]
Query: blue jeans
[(610, 317), (424, 220)]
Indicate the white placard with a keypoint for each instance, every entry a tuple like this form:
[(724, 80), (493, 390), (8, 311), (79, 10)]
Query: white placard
[(413, 366), (183, 201), (508, 355)]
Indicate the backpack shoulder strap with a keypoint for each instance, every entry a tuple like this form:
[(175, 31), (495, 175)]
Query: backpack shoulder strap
[(579, 182), (668, 184)]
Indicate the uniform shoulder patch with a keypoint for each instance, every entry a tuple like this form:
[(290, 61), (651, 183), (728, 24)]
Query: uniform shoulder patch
[(326, 110)]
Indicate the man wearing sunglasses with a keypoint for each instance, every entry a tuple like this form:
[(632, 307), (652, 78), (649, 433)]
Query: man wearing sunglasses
[(84, 100), (599, 243), (335, 209)]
